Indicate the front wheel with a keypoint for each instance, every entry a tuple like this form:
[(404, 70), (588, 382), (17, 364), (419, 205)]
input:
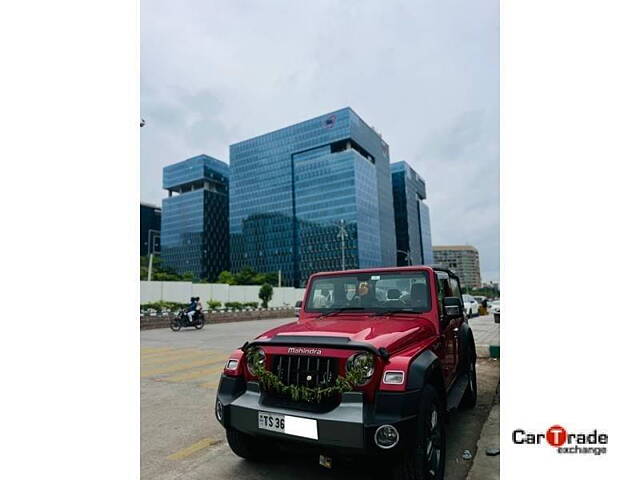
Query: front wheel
[(175, 325), (426, 459), (199, 323)]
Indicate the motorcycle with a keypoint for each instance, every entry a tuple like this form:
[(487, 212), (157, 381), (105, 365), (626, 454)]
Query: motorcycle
[(182, 320)]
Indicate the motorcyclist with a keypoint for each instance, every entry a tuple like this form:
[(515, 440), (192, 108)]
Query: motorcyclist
[(198, 307), (191, 309)]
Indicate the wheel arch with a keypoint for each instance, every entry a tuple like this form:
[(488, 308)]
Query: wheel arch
[(426, 369)]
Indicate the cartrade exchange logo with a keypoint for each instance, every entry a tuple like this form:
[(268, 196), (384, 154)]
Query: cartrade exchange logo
[(593, 442)]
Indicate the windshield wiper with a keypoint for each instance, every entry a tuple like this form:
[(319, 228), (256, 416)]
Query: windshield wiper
[(343, 309), (396, 310)]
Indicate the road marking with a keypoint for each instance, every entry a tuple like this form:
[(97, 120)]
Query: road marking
[(155, 349), (178, 355), (192, 375), (209, 384), (184, 366), (196, 447)]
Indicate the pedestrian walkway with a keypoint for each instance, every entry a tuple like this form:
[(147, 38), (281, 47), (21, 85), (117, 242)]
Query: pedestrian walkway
[(487, 335)]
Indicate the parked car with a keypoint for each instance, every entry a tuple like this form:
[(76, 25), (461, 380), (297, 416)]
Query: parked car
[(495, 310), (471, 306), (364, 370)]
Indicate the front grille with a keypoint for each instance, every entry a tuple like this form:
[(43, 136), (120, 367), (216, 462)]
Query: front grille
[(301, 370)]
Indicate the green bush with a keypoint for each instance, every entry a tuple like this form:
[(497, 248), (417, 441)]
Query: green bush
[(162, 305), (266, 294), (233, 305), (213, 304), (250, 304)]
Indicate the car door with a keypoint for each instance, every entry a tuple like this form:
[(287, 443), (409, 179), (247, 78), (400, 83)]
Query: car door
[(449, 328)]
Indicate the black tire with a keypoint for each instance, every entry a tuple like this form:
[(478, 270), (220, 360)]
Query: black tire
[(248, 447), (496, 317), (470, 396), (426, 459), (175, 325), (199, 323), (470, 313)]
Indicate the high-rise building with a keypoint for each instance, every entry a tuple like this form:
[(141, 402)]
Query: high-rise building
[(293, 191), (462, 259), (413, 225), (195, 225), (149, 228)]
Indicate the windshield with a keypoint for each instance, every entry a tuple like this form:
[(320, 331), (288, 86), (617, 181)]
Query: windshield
[(378, 292)]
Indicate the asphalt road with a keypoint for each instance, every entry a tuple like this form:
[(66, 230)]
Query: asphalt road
[(180, 437)]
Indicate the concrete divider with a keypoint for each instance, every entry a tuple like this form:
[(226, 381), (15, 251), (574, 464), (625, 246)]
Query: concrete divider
[(148, 322)]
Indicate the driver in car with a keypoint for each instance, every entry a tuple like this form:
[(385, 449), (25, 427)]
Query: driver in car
[(362, 296)]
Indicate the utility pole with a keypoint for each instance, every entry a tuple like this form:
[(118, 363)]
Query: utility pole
[(342, 235), (279, 278), (407, 255), (151, 247)]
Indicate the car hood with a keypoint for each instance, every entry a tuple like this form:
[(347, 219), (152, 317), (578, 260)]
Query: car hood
[(391, 332)]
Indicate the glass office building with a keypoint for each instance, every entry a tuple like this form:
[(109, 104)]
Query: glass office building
[(298, 193), (413, 225), (150, 216), (195, 226)]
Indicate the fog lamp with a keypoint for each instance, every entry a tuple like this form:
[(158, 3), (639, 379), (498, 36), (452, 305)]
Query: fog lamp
[(386, 436)]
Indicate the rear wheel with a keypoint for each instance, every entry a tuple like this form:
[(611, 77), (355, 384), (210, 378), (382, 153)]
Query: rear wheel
[(175, 325), (248, 447), (426, 459), (470, 396)]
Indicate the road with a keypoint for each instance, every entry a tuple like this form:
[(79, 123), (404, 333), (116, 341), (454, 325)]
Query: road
[(180, 437)]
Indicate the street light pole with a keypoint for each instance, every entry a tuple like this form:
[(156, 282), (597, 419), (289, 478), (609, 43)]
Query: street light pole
[(151, 247), (342, 235), (407, 256)]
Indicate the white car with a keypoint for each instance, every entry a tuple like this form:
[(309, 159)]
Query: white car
[(471, 306)]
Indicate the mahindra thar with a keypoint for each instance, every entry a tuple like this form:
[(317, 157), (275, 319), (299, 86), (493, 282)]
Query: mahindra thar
[(372, 366)]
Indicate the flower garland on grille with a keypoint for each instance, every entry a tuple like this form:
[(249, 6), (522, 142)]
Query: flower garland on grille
[(270, 381)]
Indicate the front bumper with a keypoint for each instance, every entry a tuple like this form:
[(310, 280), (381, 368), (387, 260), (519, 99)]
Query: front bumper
[(349, 428)]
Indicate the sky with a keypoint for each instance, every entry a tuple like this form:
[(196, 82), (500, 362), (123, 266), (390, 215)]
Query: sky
[(423, 73)]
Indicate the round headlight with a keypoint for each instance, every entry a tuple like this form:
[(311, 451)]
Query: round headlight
[(362, 360), (255, 358)]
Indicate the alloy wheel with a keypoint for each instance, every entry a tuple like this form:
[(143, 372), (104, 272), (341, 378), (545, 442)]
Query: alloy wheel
[(433, 448)]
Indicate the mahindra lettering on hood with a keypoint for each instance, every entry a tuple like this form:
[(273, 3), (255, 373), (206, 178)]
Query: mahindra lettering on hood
[(372, 366)]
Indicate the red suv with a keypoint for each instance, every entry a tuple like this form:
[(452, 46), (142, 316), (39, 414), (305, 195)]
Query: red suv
[(373, 364)]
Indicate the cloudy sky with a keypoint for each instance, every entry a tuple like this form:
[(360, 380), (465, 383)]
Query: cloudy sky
[(424, 73)]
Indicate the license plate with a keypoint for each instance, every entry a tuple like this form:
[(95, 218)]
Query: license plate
[(289, 425)]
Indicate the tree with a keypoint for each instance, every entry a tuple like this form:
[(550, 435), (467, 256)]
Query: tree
[(266, 294), (246, 276), (226, 277), (161, 272)]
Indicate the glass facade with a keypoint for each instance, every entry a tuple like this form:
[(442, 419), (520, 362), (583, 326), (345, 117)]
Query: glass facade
[(413, 225), (150, 216), (291, 191), (195, 227)]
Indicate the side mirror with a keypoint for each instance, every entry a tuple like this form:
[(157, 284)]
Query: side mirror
[(452, 307)]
